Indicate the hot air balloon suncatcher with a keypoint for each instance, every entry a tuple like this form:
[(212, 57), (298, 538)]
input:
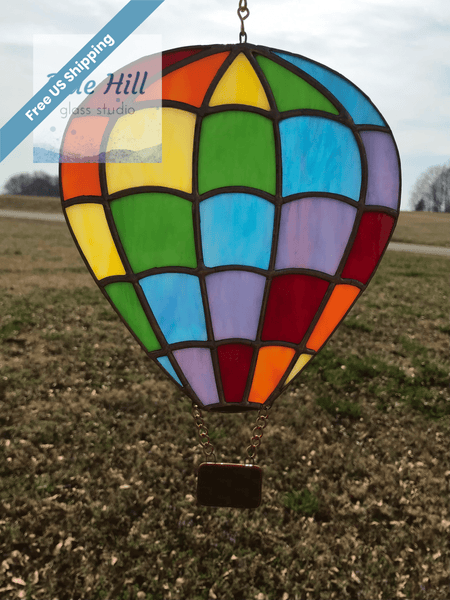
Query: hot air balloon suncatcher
[(234, 259)]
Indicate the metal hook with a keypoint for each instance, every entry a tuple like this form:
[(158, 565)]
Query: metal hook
[(243, 13)]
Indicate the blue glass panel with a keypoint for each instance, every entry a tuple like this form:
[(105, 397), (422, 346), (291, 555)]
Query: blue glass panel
[(176, 302), (236, 229), (166, 364), (360, 108), (319, 155)]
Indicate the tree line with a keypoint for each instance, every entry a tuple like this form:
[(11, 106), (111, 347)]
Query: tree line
[(33, 184), (431, 192)]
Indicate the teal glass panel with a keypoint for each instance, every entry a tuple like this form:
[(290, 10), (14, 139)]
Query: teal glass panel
[(236, 229), (353, 100), (176, 302), (166, 364), (319, 155), (236, 148)]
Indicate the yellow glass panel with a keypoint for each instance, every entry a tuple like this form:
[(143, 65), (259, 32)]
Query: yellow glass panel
[(302, 361), (89, 225), (240, 85), (175, 170), (139, 131)]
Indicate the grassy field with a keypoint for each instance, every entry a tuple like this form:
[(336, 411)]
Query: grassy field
[(413, 227), (99, 451), (423, 228), (30, 203)]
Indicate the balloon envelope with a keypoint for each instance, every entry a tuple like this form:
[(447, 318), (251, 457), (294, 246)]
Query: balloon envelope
[(234, 258)]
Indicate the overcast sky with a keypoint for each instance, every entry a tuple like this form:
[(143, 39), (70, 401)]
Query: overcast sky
[(396, 51)]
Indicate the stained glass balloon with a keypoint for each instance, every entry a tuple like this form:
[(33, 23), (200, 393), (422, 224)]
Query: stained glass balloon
[(233, 260)]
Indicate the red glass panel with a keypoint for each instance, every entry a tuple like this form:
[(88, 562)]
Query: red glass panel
[(234, 361), (293, 302), (371, 239), (173, 57), (80, 179), (188, 84)]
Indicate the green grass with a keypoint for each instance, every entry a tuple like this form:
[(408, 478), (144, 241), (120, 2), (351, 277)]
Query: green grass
[(98, 446), (304, 502), (30, 203)]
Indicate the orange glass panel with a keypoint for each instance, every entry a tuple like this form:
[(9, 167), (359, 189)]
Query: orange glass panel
[(340, 301), (188, 84), (83, 139), (270, 367), (80, 179)]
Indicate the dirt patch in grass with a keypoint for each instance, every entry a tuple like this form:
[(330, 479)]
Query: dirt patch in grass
[(99, 451)]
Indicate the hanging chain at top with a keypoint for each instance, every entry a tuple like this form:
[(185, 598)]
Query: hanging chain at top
[(243, 13)]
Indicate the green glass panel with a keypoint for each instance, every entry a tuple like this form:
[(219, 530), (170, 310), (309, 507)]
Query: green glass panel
[(156, 230), (292, 92), (236, 148), (127, 303)]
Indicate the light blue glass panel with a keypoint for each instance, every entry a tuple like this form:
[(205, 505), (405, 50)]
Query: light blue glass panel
[(166, 364), (236, 229), (176, 302), (360, 108), (319, 155)]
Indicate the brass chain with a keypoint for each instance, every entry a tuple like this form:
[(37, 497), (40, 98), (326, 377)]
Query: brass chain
[(255, 440), (208, 448), (243, 13), (257, 433)]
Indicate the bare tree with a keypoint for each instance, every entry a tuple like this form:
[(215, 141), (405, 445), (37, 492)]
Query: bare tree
[(33, 184), (431, 191)]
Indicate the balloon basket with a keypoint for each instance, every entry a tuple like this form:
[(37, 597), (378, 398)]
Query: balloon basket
[(229, 485)]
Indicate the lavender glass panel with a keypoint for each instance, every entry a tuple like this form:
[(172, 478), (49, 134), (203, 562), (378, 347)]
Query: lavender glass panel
[(384, 177), (314, 233), (235, 299), (196, 364)]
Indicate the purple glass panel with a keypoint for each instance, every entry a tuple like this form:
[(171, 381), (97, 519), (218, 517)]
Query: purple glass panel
[(314, 233), (235, 299), (197, 367), (383, 177)]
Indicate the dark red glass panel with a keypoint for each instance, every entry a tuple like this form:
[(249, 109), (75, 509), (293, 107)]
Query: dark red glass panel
[(293, 302), (371, 239), (173, 57), (234, 361)]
